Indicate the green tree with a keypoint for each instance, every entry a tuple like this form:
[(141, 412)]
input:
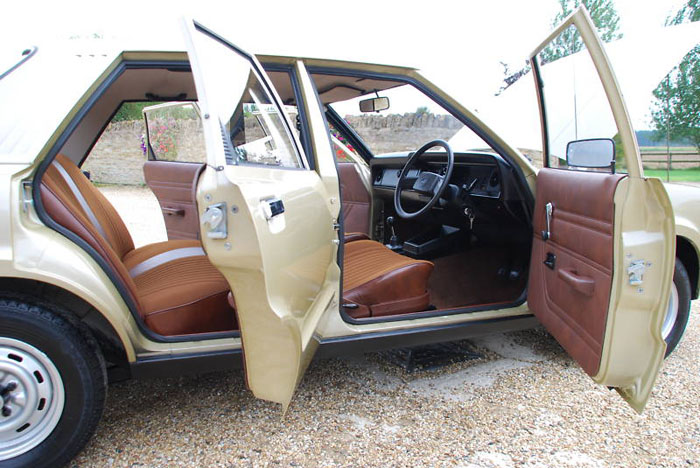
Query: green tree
[(421, 110), (676, 109), (131, 111), (605, 18), (569, 42)]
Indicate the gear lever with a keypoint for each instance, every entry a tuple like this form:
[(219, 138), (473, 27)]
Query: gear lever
[(394, 239)]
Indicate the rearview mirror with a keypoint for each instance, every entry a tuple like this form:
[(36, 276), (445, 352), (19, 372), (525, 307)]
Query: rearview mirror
[(374, 104), (593, 153)]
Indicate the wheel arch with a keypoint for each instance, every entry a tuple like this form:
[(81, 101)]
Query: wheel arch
[(75, 310), (687, 253)]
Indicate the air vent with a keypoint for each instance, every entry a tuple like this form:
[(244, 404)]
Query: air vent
[(228, 147)]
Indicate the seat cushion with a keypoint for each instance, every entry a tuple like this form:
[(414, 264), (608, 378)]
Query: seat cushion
[(381, 282), (180, 291), (355, 236)]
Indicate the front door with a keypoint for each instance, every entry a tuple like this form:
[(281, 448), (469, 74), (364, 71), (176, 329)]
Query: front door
[(269, 222), (603, 251)]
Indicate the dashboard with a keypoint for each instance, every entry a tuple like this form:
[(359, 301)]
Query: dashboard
[(478, 175), (483, 186)]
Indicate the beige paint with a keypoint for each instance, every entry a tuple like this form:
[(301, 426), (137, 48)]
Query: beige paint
[(282, 271), (633, 347)]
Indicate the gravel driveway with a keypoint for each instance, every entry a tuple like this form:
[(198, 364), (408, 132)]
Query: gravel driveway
[(525, 403)]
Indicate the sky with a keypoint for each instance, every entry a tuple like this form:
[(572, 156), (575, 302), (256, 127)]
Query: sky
[(466, 37), (459, 44)]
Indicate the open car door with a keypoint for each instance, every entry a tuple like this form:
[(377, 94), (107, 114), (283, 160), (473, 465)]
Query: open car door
[(603, 241), (268, 222)]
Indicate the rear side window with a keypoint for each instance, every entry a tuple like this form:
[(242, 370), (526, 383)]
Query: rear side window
[(174, 133)]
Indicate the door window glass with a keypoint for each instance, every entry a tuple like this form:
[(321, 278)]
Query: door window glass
[(252, 125), (342, 148), (575, 104), (175, 132)]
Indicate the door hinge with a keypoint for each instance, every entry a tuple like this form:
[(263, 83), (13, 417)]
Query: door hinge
[(636, 272), (336, 226)]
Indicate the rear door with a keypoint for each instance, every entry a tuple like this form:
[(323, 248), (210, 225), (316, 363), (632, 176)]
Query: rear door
[(174, 164), (269, 222), (603, 250)]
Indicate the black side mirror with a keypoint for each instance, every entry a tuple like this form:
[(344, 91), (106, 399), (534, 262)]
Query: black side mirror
[(375, 104)]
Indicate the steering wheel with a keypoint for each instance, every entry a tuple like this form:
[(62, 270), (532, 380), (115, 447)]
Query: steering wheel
[(428, 183)]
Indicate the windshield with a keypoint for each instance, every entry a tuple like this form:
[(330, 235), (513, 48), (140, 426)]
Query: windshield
[(411, 120)]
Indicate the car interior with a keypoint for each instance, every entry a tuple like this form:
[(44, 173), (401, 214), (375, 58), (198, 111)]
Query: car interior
[(468, 251)]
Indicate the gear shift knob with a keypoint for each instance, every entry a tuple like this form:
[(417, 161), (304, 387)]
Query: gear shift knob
[(394, 240)]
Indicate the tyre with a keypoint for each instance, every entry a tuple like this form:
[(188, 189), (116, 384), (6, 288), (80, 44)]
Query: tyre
[(52, 382), (678, 311)]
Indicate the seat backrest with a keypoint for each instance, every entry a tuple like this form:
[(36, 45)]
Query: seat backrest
[(356, 200), (72, 201)]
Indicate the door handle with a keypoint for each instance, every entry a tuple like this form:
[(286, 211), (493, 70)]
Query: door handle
[(582, 284), (272, 208), (173, 211), (548, 212)]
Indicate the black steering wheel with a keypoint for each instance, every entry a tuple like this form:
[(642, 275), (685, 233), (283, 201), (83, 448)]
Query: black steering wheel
[(428, 183)]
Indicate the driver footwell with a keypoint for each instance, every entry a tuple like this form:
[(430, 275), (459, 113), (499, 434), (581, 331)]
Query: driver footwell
[(478, 276)]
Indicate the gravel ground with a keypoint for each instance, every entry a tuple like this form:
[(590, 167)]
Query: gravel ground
[(525, 403)]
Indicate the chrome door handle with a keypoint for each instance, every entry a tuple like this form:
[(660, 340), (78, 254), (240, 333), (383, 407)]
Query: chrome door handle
[(549, 212)]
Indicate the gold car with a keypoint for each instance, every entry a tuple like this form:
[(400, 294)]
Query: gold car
[(290, 235)]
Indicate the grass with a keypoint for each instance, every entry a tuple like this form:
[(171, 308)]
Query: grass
[(677, 175)]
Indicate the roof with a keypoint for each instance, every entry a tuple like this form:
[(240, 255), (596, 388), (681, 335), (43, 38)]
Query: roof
[(39, 94)]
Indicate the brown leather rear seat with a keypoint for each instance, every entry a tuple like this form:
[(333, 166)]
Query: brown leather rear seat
[(381, 282), (176, 289)]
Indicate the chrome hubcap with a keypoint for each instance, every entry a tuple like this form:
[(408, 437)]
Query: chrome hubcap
[(671, 313), (32, 397)]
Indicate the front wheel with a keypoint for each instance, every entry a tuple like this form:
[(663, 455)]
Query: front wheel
[(52, 385), (678, 310)]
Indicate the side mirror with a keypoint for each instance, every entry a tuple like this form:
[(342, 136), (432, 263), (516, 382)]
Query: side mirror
[(595, 153), (374, 104)]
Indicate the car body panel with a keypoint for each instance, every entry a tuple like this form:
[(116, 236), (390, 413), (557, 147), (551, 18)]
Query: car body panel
[(633, 347), (282, 268)]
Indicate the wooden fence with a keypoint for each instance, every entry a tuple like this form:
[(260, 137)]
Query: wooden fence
[(680, 158)]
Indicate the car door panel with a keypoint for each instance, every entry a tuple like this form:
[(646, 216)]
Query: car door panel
[(271, 230), (174, 185), (600, 280), (571, 298)]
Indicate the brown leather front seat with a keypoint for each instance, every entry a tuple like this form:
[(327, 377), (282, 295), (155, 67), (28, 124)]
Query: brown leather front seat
[(381, 282), (176, 289)]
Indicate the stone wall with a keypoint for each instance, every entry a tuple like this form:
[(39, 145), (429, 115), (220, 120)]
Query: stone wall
[(118, 157), (403, 132)]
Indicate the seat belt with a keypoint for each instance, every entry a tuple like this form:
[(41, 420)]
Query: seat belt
[(165, 257), (81, 199)]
